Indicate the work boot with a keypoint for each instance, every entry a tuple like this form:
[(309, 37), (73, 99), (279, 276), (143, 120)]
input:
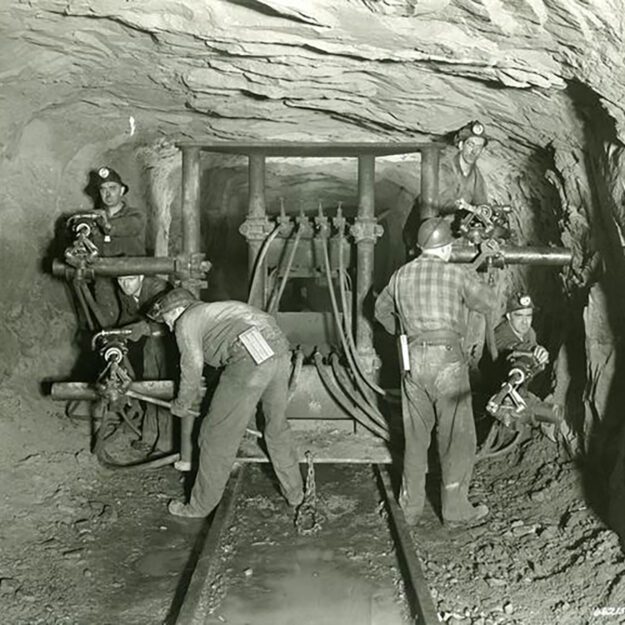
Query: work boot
[(476, 515), (177, 508)]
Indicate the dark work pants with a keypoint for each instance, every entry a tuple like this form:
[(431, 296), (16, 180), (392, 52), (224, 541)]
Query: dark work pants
[(243, 384), (437, 393)]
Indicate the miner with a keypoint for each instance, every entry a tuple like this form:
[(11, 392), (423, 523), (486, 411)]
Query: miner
[(427, 302), (150, 354), (254, 356), (517, 346), (459, 180), (121, 232)]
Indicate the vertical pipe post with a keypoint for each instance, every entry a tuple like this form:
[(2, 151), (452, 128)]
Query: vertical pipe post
[(256, 218), (429, 182), (191, 241), (365, 235)]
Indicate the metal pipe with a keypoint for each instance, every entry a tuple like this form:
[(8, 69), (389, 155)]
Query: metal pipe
[(191, 240), (526, 255), (365, 245), (429, 182), (256, 215), (107, 266)]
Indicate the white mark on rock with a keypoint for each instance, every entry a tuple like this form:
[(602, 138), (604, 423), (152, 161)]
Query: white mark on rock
[(133, 126)]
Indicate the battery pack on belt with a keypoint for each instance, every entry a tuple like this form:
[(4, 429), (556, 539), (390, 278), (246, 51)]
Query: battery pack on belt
[(256, 345)]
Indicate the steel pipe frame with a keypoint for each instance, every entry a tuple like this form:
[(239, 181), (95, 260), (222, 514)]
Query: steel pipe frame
[(429, 181), (256, 216), (67, 391), (526, 255)]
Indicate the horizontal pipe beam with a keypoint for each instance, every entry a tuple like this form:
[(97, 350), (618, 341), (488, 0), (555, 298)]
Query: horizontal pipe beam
[(555, 256), (160, 389), (145, 265)]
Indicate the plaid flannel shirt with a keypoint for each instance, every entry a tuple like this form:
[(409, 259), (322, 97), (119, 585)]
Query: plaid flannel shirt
[(432, 295)]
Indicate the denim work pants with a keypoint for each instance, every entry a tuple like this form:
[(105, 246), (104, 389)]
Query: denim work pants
[(436, 392), (243, 384)]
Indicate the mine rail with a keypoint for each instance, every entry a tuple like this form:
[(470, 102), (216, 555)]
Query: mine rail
[(192, 604)]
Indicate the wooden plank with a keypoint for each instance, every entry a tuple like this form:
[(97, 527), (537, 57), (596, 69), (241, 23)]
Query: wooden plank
[(187, 607)]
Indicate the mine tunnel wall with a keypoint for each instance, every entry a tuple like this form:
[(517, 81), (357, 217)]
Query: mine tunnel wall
[(45, 166)]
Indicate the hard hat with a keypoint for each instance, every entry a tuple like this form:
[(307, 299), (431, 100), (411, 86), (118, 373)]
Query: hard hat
[(434, 232), (519, 301), (472, 129), (106, 174), (170, 300)]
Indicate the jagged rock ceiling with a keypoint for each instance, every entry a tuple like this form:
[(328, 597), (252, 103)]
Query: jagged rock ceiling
[(119, 81)]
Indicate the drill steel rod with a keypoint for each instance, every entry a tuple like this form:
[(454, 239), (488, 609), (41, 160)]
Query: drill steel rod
[(527, 255)]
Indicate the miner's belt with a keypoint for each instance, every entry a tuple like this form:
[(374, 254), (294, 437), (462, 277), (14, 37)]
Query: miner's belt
[(436, 338)]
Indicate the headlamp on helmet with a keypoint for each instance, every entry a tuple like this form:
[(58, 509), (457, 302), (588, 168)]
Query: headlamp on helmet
[(519, 301), (472, 129)]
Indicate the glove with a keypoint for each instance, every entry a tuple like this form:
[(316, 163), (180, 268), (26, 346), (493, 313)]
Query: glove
[(137, 330), (181, 411), (541, 355)]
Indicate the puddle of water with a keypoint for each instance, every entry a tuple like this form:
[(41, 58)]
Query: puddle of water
[(305, 587), (162, 562)]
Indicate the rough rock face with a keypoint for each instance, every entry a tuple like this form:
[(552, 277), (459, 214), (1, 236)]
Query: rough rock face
[(89, 82)]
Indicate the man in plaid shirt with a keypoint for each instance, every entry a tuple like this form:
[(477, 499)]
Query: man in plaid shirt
[(429, 300)]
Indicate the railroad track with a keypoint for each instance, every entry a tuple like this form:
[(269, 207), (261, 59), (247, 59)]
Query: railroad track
[(250, 565)]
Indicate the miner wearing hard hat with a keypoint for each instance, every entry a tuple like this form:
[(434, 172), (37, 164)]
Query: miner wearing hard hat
[(515, 332), (426, 303), (121, 232), (459, 179), (254, 356)]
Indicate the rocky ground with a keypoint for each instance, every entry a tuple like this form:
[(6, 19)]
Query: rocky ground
[(80, 545)]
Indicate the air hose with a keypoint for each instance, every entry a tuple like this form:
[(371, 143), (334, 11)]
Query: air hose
[(275, 300), (344, 400), (260, 259)]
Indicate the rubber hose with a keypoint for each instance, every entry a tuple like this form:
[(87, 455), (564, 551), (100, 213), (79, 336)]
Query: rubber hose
[(350, 339), (275, 301), (337, 321), (260, 259), (297, 369), (343, 382), (343, 401)]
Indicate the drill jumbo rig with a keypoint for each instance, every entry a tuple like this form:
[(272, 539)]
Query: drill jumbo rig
[(335, 398)]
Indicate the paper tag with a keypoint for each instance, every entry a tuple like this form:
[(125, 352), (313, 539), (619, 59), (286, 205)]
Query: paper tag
[(256, 345), (404, 353)]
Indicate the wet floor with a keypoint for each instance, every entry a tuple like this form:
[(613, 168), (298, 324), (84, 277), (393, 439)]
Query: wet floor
[(345, 574)]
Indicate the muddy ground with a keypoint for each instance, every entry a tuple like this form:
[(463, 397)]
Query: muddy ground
[(80, 545)]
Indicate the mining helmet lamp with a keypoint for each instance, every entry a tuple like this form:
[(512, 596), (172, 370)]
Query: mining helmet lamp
[(106, 174), (472, 129), (519, 301)]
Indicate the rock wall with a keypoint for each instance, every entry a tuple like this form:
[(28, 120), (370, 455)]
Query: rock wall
[(118, 82)]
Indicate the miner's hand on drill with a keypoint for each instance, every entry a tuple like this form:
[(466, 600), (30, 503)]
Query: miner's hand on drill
[(541, 355), (103, 220)]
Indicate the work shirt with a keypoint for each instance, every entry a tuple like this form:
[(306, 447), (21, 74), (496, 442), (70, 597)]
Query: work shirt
[(134, 308), (127, 234), (453, 185), (432, 295), (208, 333), (507, 340)]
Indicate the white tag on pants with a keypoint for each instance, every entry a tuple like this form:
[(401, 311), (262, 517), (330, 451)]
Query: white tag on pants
[(404, 353), (256, 345)]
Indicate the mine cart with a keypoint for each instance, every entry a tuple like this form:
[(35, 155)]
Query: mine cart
[(336, 406)]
